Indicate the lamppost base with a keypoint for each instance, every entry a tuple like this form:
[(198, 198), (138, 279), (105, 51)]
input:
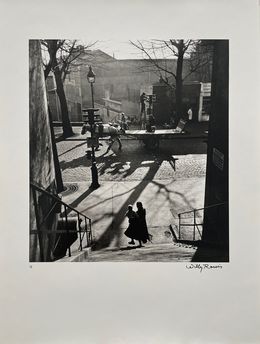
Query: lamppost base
[(94, 186)]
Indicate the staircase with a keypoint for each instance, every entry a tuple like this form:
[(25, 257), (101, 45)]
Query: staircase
[(56, 229), (180, 242), (172, 252), (163, 248)]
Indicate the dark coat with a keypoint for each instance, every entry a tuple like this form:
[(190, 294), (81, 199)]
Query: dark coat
[(132, 228), (143, 234)]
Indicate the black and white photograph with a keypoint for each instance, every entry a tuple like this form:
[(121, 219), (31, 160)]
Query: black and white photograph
[(129, 154), (129, 172)]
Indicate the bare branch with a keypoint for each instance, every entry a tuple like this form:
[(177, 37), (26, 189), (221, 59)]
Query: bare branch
[(151, 60)]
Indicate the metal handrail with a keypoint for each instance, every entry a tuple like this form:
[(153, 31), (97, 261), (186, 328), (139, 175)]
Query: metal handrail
[(57, 199), (209, 206), (87, 228), (195, 224)]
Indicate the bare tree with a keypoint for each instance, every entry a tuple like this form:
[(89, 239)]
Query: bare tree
[(156, 52), (60, 57)]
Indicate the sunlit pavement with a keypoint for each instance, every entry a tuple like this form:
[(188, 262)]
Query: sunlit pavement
[(167, 181), (107, 205)]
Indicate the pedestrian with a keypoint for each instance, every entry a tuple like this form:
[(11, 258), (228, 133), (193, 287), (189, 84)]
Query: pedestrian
[(189, 112), (142, 111), (132, 227), (123, 124), (142, 102), (143, 235)]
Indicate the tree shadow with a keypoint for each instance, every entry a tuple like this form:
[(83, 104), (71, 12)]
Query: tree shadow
[(111, 232), (80, 161), (168, 192), (116, 165), (124, 166), (78, 200), (107, 199), (71, 149)]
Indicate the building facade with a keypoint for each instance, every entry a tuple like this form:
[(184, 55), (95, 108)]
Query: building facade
[(123, 81)]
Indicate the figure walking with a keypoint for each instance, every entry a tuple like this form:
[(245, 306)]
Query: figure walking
[(123, 123), (143, 234), (137, 229), (142, 112), (131, 230)]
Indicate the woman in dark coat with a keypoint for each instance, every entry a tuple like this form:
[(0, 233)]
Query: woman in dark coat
[(143, 234), (132, 228)]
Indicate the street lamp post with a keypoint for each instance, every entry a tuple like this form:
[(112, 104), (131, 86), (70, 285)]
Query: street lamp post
[(91, 79), (91, 119)]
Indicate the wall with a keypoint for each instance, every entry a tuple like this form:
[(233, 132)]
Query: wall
[(163, 106), (42, 166), (110, 111), (216, 223), (72, 88), (123, 80), (191, 98)]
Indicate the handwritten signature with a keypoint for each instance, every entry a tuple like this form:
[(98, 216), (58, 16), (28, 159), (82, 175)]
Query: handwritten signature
[(202, 267)]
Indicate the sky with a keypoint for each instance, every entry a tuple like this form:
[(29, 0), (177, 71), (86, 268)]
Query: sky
[(122, 49)]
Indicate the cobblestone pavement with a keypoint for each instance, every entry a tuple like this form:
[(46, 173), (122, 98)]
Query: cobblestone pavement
[(174, 160)]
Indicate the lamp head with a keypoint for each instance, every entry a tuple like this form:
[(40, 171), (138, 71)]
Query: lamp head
[(91, 75)]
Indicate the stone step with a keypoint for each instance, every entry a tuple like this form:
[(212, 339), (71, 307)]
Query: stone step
[(149, 253)]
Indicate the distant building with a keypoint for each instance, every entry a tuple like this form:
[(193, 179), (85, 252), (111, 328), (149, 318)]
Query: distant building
[(119, 83)]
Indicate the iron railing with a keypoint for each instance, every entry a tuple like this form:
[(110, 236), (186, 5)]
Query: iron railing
[(195, 215), (64, 217)]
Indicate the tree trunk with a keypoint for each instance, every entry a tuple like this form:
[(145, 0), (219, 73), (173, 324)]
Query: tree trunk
[(179, 82), (67, 129), (58, 175)]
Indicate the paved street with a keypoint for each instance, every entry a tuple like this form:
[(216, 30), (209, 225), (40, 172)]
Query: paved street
[(174, 160), (168, 181)]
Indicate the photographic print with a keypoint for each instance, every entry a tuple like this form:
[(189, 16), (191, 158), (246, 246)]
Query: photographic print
[(129, 150), (130, 193)]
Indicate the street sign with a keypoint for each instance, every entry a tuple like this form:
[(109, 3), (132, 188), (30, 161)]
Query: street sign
[(218, 159)]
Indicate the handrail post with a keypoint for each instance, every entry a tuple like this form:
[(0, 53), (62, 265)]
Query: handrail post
[(194, 223), (179, 215), (67, 229), (86, 230), (80, 240), (90, 232), (37, 218)]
